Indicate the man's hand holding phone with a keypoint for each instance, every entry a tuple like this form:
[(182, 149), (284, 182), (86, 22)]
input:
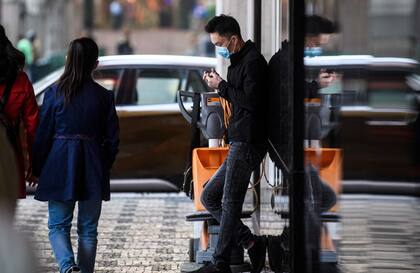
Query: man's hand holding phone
[(212, 78), (326, 77)]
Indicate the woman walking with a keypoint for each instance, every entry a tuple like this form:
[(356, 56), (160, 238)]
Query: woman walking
[(17, 104), (75, 147)]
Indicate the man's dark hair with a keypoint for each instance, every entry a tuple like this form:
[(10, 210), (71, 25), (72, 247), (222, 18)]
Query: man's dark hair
[(316, 25), (224, 25)]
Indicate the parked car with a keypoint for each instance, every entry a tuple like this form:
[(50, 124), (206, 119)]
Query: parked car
[(379, 128), (155, 138)]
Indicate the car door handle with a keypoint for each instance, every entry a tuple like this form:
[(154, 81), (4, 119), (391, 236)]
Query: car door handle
[(386, 123)]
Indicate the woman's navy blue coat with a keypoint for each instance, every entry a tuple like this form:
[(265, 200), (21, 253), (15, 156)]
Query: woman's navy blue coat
[(76, 144)]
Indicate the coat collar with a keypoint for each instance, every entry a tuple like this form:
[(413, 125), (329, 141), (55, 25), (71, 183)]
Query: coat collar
[(236, 57)]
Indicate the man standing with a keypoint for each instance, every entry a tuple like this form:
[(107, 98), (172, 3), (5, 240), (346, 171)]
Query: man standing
[(28, 46), (124, 46), (280, 108), (116, 10), (318, 32), (244, 89)]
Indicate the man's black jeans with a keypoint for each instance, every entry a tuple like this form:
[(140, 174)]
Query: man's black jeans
[(224, 195)]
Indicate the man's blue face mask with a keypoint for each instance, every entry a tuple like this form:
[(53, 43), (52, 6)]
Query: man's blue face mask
[(312, 51), (223, 51)]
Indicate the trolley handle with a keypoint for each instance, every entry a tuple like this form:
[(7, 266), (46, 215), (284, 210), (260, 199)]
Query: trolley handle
[(185, 113)]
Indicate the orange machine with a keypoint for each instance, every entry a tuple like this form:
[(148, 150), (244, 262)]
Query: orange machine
[(205, 162), (329, 162)]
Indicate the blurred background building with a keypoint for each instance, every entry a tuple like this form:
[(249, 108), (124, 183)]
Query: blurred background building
[(382, 27), (140, 26)]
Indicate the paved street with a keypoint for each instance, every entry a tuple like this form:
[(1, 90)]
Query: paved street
[(148, 233), (380, 234)]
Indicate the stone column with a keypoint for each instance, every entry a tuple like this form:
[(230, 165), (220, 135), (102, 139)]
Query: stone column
[(13, 22)]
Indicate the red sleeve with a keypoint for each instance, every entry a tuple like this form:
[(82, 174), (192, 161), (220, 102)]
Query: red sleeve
[(30, 115)]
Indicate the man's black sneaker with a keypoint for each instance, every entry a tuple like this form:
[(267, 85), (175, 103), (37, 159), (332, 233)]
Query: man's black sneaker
[(257, 253), (74, 268), (212, 268), (278, 252)]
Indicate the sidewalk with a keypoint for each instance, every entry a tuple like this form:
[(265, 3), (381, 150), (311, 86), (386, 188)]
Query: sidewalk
[(148, 233), (380, 234)]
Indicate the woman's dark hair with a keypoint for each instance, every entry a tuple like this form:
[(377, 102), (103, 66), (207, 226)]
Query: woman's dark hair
[(11, 59), (81, 60), (224, 25)]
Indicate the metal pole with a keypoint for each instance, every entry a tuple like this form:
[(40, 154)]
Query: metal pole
[(257, 172), (277, 26), (250, 22), (300, 260), (257, 23)]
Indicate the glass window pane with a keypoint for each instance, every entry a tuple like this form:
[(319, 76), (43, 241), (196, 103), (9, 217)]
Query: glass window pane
[(108, 78), (389, 92), (388, 98), (195, 82), (354, 91), (157, 86)]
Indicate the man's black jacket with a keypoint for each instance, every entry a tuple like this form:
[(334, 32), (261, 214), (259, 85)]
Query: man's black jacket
[(245, 89), (280, 106)]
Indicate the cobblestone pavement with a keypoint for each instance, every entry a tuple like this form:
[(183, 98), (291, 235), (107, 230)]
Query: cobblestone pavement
[(148, 233), (380, 234)]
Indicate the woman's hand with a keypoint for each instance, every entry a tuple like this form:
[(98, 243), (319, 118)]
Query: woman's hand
[(30, 178)]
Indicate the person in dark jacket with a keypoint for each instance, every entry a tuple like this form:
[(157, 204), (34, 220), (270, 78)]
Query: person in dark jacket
[(124, 46), (75, 146), (318, 31), (244, 89)]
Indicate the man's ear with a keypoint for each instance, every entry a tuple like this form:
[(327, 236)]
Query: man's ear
[(236, 38), (96, 65)]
